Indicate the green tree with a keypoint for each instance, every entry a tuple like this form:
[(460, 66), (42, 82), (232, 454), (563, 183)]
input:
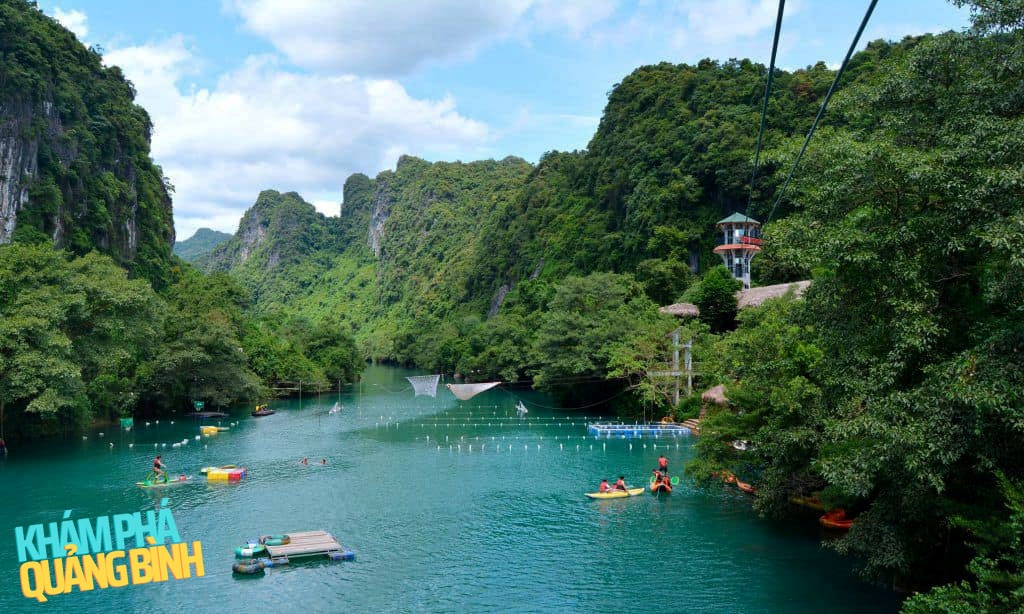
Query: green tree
[(715, 295)]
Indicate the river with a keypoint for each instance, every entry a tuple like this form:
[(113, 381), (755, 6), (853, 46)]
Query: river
[(449, 506)]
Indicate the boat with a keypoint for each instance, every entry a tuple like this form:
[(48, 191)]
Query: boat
[(206, 470), (262, 410), (836, 519), (336, 409), (250, 549), (747, 488), (181, 479), (810, 502), (616, 494), (661, 487), (674, 480)]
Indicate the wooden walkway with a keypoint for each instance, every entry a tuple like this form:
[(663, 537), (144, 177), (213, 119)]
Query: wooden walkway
[(693, 424), (306, 543)]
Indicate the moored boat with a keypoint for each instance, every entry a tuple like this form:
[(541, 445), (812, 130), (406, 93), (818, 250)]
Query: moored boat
[(616, 494), (836, 519)]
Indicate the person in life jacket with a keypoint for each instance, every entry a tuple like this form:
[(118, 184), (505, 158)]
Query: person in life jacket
[(158, 469), (663, 464), (621, 484), (605, 487)]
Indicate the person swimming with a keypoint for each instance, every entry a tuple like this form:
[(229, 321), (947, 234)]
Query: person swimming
[(304, 461)]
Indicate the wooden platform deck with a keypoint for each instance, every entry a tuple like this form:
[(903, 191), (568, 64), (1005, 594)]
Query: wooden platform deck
[(646, 429), (306, 543)]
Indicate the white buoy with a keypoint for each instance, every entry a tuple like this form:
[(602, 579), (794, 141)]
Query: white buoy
[(164, 445), (131, 445), (197, 437), (172, 421), (155, 445), (111, 445), (147, 424), (101, 434), (158, 422)]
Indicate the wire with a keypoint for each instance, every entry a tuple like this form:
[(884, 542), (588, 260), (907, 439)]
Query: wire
[(618, 394), (824, 104), (764, 107)]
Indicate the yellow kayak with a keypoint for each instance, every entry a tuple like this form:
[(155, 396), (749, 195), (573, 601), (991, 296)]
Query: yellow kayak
[(616, 494)]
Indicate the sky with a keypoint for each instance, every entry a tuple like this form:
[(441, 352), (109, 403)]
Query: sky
[(296, 95)]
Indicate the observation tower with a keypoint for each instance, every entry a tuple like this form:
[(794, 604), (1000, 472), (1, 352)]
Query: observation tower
[(738, 244)]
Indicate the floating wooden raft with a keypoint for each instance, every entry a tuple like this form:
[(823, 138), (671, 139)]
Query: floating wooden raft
[(646, 429), (306, 543)]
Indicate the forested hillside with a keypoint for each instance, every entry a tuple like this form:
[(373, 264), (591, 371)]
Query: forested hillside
[(97, 319), (895, 390), (75, 169), (200, 244)]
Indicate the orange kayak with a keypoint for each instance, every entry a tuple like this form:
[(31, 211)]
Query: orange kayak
[(836, 519)]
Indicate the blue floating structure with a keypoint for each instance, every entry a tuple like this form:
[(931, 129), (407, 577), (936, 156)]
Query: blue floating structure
[(638, 430)]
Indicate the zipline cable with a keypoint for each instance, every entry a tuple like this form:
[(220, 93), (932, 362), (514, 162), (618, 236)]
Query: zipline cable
[(764, 106), (824, 104)]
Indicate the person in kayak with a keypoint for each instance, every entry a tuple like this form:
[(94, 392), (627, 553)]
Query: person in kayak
[(620, 484), (605, 487), (158, 469), (663, 464)]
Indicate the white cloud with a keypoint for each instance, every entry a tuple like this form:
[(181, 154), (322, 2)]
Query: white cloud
[(719, 21), (72, 20), (387, 37), (391, 37), (262, 126), (575, 16)]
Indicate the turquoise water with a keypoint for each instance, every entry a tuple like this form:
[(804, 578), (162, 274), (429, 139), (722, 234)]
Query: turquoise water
[(449, 506)]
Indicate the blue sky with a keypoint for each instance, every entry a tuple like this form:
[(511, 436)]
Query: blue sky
[(297, 95)]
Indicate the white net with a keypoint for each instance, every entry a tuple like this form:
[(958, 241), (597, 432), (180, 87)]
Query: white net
[(424, 385), (465, 392)]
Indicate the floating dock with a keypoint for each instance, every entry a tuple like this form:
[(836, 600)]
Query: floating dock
[(207, 414), (307, 543), (638, 430)]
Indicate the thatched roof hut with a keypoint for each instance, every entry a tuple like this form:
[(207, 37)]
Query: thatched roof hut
[(715, 395), (681, 310)]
